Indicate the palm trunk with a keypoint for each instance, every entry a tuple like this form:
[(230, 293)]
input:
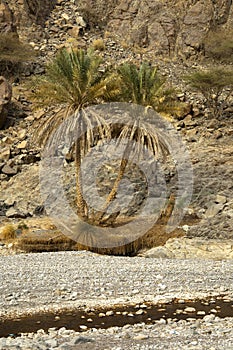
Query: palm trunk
[(113, 193), (81, 203)]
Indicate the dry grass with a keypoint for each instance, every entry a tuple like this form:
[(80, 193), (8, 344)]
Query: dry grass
[(8, 233), (219, 45), (40, 235), (155, 236), (98, 44), (44, 241)]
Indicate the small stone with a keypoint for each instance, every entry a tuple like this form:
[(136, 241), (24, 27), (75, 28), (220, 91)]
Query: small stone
[(74, 295), (65, 16), (213, 210), (190, 309), (109, 313), (141, 337), (12, 213), (213, 311), (83, 327), (82, 339), (80, 21), (135, 291), (52, 343), (5, 155), (22, 145), (220, 199), (9, 202), (101, 314), (200, 313), (209, 318), (8, 170), (139, 312)]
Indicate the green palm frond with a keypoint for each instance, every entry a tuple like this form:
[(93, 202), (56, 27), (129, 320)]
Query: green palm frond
[(72, 81), (144, 86), (73, 78)]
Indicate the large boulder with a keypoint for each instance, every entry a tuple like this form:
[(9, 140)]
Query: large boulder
[(5, 98)]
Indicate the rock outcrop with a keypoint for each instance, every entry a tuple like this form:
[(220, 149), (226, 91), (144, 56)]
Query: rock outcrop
[(39, 9), (166, 27), (185, 248)]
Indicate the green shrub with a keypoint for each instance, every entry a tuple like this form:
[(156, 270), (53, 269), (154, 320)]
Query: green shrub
[(22, 226), (212, 83)]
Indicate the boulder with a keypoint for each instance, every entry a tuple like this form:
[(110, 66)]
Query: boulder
[(5, 98)]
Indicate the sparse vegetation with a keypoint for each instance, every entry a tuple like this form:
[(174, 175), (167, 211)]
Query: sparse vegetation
[(212, 84), (219, 45), (22, 226), (8, 232), (98, 44), (49, 241), (13, 53)]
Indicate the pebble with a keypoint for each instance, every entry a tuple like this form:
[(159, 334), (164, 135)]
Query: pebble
[(190, 309)]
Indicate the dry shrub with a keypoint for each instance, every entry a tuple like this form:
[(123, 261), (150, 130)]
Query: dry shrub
[(13, 53), (45, 241), (98, 44), (8, 233)]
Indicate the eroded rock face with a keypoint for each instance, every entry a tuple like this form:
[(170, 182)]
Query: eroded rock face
[(39, 9), (5, 98), (7, 24), (177, 26)]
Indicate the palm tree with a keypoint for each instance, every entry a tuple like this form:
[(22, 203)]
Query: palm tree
[(144, 86), (72, 82), (141, 86)]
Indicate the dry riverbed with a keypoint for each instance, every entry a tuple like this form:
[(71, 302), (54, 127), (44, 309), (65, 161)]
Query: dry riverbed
[(70, 280)]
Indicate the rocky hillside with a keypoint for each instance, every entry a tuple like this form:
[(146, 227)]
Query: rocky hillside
[(130, 30), (163, 27), (177, 26)]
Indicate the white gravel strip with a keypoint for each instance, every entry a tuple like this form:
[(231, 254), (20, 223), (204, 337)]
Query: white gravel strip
[(31, 282), (51, 281)]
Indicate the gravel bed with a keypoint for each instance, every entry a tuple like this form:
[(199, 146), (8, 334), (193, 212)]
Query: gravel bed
[(52, 281)]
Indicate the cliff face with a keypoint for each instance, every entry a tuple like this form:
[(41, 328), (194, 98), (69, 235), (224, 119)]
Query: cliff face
[(164, 26), (39, 9), (29, 11)]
